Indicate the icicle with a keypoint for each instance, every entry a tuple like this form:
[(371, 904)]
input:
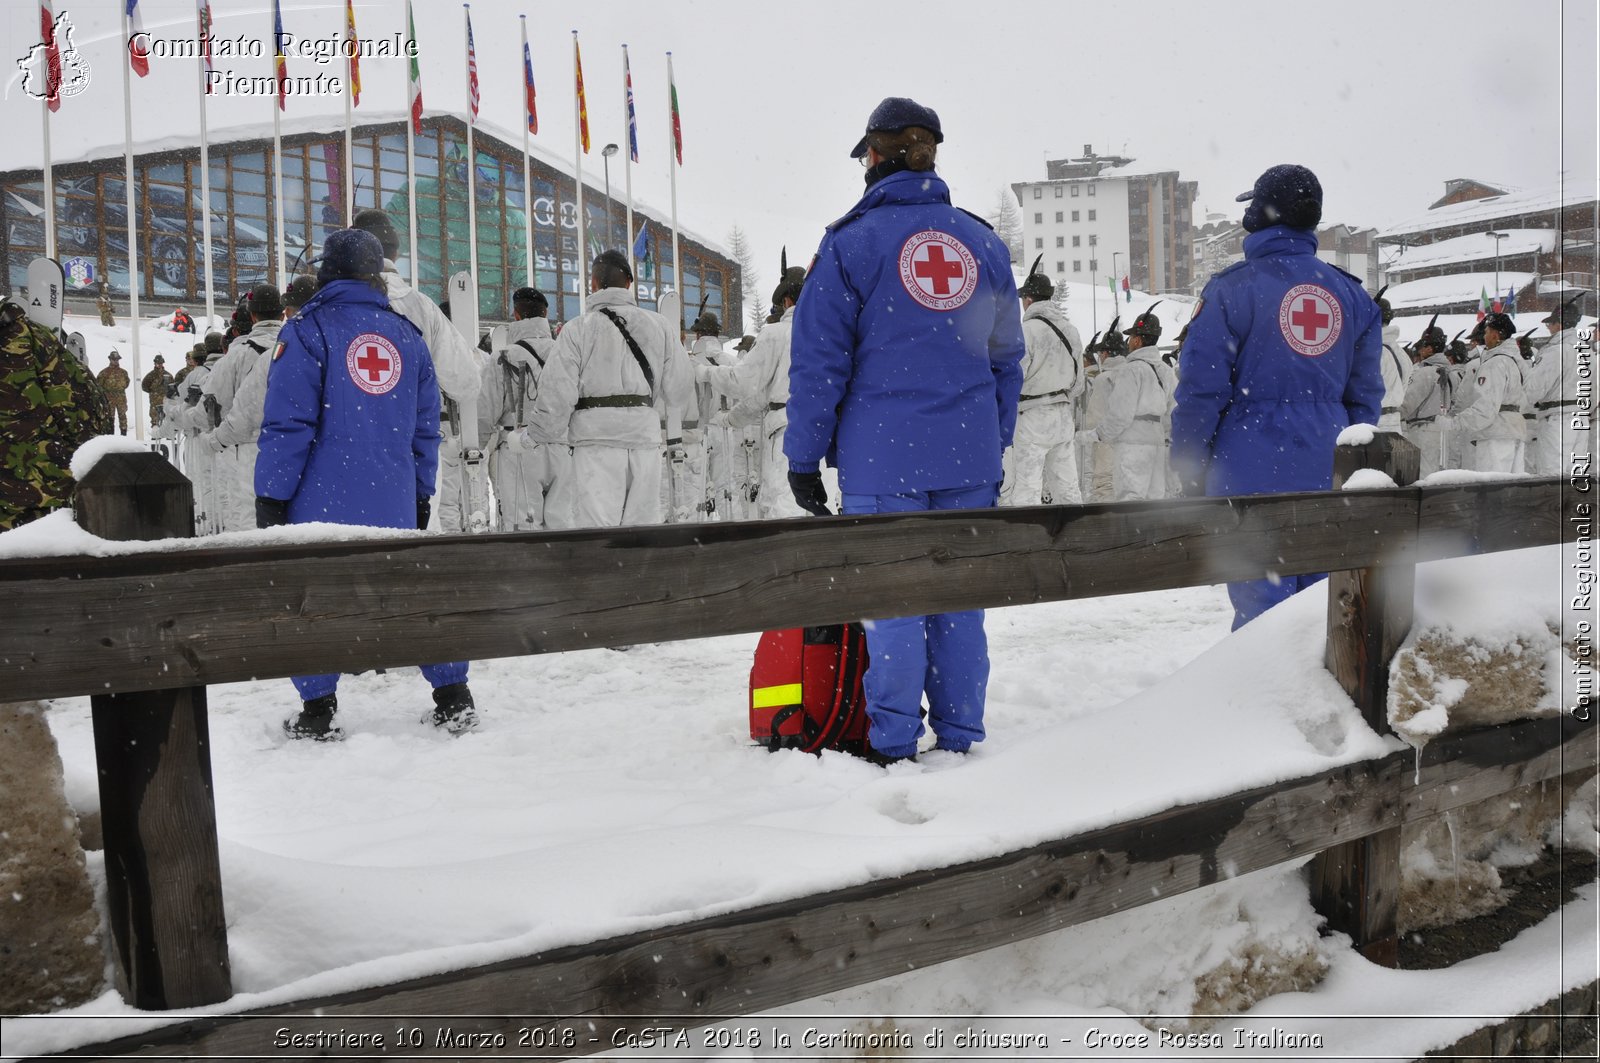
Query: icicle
[(1455, 855), (1416, 776)]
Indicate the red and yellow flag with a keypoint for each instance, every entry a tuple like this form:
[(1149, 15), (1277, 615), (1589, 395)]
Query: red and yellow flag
[(583, 102), (353, 43)]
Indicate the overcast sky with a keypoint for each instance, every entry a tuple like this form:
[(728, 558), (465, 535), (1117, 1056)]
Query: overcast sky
[(1384, 100)]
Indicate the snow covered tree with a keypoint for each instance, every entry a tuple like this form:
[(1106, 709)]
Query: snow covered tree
[(750, 280), (1007, 222)]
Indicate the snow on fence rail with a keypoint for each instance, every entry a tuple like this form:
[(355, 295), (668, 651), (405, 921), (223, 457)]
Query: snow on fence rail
[(143, 634)]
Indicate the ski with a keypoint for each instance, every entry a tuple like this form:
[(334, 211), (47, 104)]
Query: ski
[(46, 285)]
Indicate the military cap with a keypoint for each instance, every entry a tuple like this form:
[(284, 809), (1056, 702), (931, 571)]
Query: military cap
[(894, 114)]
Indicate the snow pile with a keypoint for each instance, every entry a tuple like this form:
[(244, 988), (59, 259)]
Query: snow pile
[(1357, 435), (1368, 480), (58, 534), (89, 454)]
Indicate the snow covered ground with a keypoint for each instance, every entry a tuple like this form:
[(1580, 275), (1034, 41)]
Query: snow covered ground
[(610, 792)]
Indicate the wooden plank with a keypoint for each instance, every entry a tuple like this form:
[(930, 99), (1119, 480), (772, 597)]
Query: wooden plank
[(152, 749), (1493, 515), (206, 616), (745, 962)]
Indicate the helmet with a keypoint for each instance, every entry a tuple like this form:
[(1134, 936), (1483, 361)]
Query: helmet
[(1146, 326), (1036, 285)]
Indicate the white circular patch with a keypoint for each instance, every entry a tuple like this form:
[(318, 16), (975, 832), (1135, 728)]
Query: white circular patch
[(938, 270), (374, 363), (1310, 319)]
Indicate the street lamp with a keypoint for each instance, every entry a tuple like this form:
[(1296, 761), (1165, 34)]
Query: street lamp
[(606, 153), (1116, 276), (1497, 237)]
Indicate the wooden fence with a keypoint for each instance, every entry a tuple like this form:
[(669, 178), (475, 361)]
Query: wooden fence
[(144, 633)]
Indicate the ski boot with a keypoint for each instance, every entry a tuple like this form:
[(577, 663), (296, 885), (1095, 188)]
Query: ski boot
[(315, 721), (453, 709)]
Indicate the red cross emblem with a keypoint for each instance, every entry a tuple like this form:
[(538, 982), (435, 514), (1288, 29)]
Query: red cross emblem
[(1310, 319), (373, 363), (937, 270)]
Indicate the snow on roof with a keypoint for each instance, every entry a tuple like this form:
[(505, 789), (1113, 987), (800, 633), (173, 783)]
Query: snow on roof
[(1547, 199), (1474, 247), (1455, 288)]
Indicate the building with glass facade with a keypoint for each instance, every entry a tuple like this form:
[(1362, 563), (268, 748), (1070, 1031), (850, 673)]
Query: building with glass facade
[(91, 220)]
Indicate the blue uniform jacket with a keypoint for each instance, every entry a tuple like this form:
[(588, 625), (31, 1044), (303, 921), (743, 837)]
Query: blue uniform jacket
[(906, 347), (1281, 356), (350, 433)]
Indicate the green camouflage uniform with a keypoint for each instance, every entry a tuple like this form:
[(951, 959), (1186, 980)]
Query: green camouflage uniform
[(113, 380), (49, 405), (155, 384), (107, 316)]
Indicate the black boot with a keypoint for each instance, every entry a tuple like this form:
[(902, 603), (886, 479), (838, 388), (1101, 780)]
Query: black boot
[(453, 709), (315, 721)]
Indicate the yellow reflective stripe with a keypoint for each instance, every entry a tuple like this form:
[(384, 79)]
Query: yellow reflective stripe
[(771, 697)]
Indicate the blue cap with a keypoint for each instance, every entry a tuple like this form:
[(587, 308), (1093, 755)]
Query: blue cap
[(349, 253), (896, 113), (1286, 194)]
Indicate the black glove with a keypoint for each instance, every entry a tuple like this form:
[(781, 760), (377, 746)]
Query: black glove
[(271, 512), (424, 511), (809, 494)]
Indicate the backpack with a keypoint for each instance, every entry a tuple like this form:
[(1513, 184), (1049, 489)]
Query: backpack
[(805, 689)]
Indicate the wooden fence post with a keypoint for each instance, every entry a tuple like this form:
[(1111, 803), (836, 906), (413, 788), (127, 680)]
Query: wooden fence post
[(153, 752), (1356, 886)]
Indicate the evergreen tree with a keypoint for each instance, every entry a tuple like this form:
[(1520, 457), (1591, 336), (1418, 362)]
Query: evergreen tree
[(1007, 222), (750, 280)]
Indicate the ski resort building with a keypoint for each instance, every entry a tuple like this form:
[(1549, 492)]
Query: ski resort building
[(1094, 218), (91, 219), (1534, 249)]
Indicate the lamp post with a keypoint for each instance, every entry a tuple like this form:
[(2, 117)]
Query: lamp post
[(1116, 275), (606, 153), (1497, 237)]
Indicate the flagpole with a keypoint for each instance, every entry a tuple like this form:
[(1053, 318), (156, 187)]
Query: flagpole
[(205, 176), (277, 150), (349, 152), (527, 169), (672, 165), (133, 229), (577, 176), (472, 166), (411, 150), (627, 103)]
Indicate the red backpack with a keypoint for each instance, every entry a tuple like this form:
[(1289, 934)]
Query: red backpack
[(805, 689)]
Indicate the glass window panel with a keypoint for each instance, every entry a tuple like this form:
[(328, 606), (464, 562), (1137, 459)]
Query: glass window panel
[(249, 160), (172, 172), (249, 182)]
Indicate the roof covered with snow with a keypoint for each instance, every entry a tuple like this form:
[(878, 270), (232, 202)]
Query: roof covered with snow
[(1550, 198), (1474, 247), (1455, 288)]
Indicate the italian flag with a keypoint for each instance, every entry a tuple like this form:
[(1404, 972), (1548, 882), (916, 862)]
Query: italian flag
[(1483, 303), (414, 78), (677, 120)]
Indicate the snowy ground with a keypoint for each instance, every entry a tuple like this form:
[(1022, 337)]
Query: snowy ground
[(610, 792)]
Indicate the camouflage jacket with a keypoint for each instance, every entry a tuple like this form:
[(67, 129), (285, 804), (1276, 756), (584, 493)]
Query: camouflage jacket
[(49, 405), (155, 384), (113, 381)]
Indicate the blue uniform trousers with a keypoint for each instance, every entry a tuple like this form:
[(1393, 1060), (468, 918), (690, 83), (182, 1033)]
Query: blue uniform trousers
[(320, 686), (945, 655), (1253, 597)]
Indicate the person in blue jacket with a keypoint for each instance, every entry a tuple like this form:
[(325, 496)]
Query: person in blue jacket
[(1282, 355), (905, 370), (350, 435)]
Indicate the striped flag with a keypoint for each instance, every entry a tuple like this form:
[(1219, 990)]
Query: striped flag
[(583, 101), (1111, 283), (52, 56), (205, 40), (355, 49), (414, 80), (528, 90), (1483, 303), (633, 124), (472, 69), (280, 62), (1125, 289), (677, 120), (138, 53)]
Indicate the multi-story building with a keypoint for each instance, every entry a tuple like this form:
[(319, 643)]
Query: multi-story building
[(1092, 217)]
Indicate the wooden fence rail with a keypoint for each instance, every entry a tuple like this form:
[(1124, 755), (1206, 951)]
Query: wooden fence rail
[(171, 622)]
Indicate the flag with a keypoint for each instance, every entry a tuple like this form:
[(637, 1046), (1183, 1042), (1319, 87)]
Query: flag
[(1497, 305), (205, 40), (583, 102), (280, 63), (472, 71), (677, 120), (527, 83), (1126, 291), (633, 125), (138, 53), (355, 49), (1483, 303), (1111, 283), (641, 250), (1511, 300), (414, 80), (52, 56)]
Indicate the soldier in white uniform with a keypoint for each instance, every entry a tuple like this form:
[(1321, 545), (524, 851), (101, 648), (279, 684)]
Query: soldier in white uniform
[(1493, 429), (234, 454), (1041, 465), (705, 486), (612, 372), (1134, 421), (758, 387), (532, 483), (1553, 395), (1395, 366), (1427, 398), (190, 420), (456, 364)]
